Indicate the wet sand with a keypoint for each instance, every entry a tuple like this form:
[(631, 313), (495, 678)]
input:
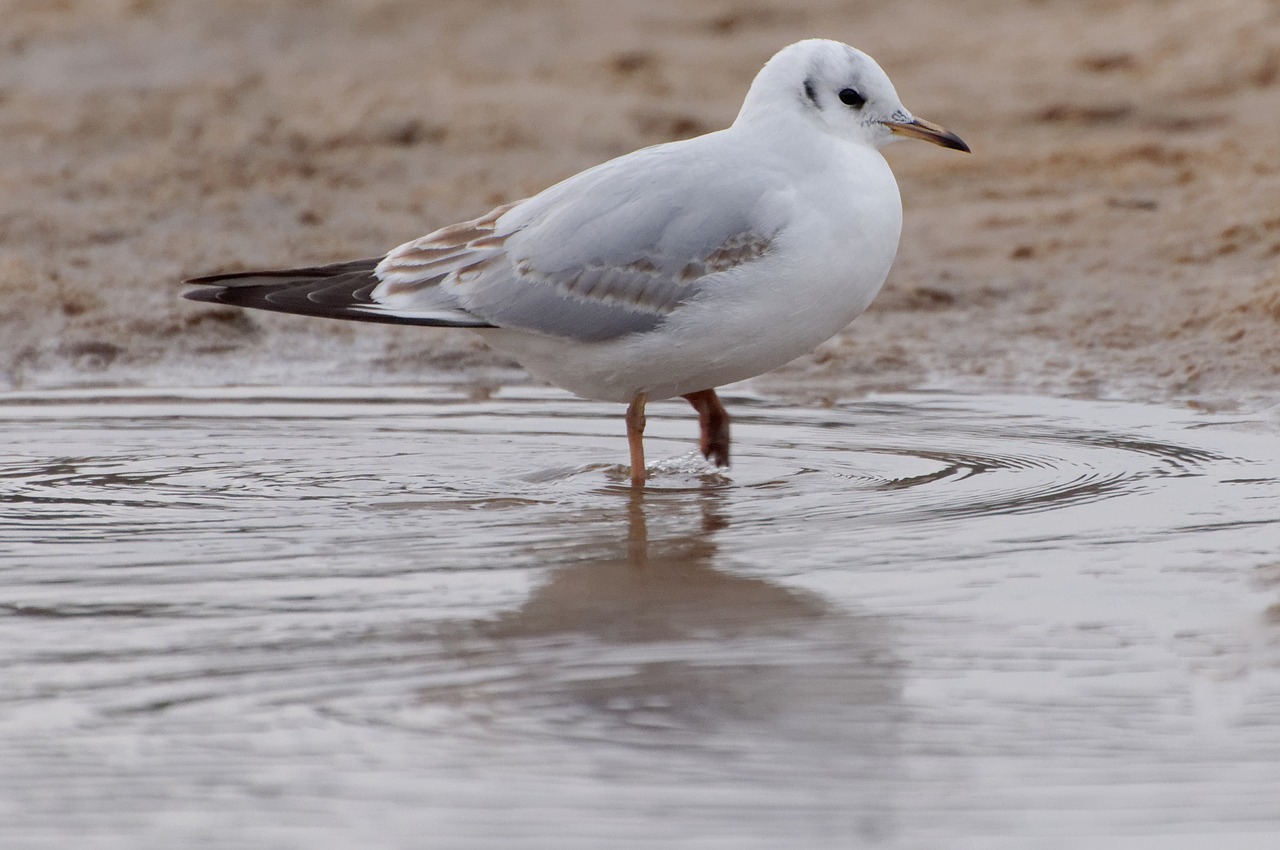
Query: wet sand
[(1116, 232)]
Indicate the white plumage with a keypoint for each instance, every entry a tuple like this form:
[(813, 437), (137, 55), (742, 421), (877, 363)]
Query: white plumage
[(669, 271)]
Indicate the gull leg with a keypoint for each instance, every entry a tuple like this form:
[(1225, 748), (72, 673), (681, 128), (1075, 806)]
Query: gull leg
[(713, 419), (635, 438)]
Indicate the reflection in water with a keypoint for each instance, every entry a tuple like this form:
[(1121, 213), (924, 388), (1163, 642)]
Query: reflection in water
[(649, 642), (375, 618)]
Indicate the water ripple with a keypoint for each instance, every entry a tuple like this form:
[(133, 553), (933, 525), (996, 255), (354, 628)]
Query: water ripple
[(395, 605)]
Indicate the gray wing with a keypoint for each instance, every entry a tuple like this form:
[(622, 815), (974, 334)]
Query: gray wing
[(609, 252)]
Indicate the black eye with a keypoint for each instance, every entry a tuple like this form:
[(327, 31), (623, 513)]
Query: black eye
[(851, 97)]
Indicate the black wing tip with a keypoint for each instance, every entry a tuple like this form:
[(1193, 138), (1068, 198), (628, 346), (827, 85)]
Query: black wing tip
[(228, 277), (258, 298), (337, 291), (368, 264), (204, 280), (208, 294)]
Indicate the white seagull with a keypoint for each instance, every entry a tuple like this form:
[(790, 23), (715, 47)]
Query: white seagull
[(666, 272)]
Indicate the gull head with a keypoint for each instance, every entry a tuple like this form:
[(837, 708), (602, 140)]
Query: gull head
[(841, 91)]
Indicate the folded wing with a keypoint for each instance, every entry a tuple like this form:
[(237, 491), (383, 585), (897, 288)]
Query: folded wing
[(610, 252)]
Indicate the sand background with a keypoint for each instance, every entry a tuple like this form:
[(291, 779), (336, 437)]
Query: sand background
[(1116, 231)]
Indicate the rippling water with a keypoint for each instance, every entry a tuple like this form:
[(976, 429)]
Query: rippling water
[(409, 618)]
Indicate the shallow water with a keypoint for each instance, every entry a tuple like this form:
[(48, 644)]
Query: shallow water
[(406, 618)]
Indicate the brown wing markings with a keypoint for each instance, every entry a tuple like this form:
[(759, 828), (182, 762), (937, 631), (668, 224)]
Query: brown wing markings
[(447, 243), (642, 284), (735, 251), (466, 275)]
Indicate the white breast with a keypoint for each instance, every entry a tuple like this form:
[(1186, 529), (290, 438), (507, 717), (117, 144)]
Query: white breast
[(828, 261)]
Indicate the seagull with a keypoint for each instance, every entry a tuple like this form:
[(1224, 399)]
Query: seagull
[(666, 272)]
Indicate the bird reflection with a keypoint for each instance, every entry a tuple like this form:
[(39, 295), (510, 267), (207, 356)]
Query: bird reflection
[(653, 637), (664, 586)]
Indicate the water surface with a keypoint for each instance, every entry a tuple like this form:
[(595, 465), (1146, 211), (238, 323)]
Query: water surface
[(301, 618)]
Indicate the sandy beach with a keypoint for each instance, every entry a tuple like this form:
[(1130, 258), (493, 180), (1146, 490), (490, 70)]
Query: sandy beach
[(1116, 232)]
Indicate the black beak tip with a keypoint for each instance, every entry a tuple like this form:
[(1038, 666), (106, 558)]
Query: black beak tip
[(956, 143)]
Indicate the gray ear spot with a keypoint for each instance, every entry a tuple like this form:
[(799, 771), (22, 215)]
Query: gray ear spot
[(811, 91)]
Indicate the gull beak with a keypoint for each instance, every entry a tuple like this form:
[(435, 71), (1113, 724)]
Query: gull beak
[(918, 128)]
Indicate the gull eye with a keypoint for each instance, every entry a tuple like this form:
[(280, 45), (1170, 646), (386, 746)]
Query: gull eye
[(852, 97)]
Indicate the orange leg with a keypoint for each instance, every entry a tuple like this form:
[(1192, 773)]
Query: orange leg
[(714, 421), (635, 438)]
